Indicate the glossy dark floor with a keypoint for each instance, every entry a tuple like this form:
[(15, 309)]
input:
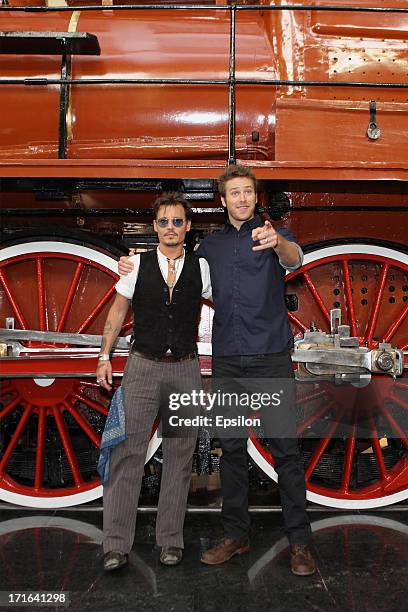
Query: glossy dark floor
[(362, 564)]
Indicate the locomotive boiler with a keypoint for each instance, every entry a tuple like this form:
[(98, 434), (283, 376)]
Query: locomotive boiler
[(105, 104)]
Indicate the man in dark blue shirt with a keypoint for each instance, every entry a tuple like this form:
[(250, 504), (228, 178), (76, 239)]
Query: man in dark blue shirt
[(248, 285), (252, 339)]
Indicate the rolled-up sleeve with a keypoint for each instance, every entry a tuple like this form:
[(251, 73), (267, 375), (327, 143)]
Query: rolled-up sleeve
[(206, 279), (292, 268), (126, 284), (287, 234)]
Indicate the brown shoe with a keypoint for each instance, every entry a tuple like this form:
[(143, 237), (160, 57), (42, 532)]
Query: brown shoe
[(224, 551), (302, 562)]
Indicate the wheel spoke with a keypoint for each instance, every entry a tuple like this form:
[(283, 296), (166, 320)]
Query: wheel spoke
[(90, 431), (6, 386), (91, 403), (293, 319), (9, 407), (314, 417), (38, 548), (70, 565), (316, 295), (309, 398), (89, 385), (97, 309), (349, 456), (126, 328), (401, 434), (397, 400), (40, 449), (19, 315), (15, 438), (347, 564), (321, 447), (378, 452), (396, 324), (66, 442), (71, 294), (351, 317), (40, 294), (377, 304)]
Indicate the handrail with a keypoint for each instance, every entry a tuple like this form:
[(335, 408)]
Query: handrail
[(206, 7), (45, 81), (231, 91)]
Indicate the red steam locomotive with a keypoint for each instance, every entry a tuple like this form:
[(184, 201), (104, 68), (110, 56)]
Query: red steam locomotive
[(103, 105)]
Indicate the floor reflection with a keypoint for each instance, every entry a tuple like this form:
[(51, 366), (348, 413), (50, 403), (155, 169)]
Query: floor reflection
[(362, 561), (57, 553), (361, 558)]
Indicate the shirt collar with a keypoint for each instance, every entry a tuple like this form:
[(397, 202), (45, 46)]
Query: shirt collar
[(164, 259), (249, 225)]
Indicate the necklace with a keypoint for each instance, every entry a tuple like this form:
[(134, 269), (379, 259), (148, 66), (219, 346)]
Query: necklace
[(173, 266), (172, 272)]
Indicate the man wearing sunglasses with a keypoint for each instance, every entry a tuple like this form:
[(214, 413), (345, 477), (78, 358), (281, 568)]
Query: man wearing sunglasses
[(164, 290), (251, 338)]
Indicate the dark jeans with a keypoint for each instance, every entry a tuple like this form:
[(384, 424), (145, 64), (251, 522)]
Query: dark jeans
[(234, 460)]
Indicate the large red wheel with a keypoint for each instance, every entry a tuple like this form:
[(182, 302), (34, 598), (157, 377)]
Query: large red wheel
[(51, 427), (370, 285)]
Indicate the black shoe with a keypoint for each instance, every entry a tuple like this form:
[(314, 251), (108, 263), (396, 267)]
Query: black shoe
[(171, 555), (113, 560)]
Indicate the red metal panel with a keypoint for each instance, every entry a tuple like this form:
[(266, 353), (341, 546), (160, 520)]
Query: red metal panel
[(344, 137)]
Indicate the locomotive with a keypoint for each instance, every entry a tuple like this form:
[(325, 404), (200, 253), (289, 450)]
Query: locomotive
[(104, 105)]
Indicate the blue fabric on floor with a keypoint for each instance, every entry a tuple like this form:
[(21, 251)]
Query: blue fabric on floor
[(113, 434)]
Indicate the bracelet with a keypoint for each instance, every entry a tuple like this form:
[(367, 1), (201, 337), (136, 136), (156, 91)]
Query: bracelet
[(104, 357)]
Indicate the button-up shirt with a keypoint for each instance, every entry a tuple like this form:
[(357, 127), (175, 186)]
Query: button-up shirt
[(247, 291)]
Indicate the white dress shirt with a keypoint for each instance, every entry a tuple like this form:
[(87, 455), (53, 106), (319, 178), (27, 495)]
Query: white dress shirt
[(126, 284)]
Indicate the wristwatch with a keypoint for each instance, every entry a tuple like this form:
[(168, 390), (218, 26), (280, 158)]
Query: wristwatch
[(103, 357)]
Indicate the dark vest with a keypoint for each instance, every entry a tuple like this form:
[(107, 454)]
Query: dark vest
[(158, 324)]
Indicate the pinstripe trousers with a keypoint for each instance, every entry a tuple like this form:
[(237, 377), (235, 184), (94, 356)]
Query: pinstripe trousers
[(141, 386)]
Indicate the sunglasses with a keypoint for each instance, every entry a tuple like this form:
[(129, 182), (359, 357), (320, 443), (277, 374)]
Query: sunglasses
[(177, 222)]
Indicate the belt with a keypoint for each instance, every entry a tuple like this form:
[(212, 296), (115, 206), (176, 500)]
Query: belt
[(165, 358)]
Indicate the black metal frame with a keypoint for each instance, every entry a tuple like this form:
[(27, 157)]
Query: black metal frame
[(48, 43), (65, 82), (66, 65)]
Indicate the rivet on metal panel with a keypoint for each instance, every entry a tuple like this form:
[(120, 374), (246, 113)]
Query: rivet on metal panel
[(373, 131)]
